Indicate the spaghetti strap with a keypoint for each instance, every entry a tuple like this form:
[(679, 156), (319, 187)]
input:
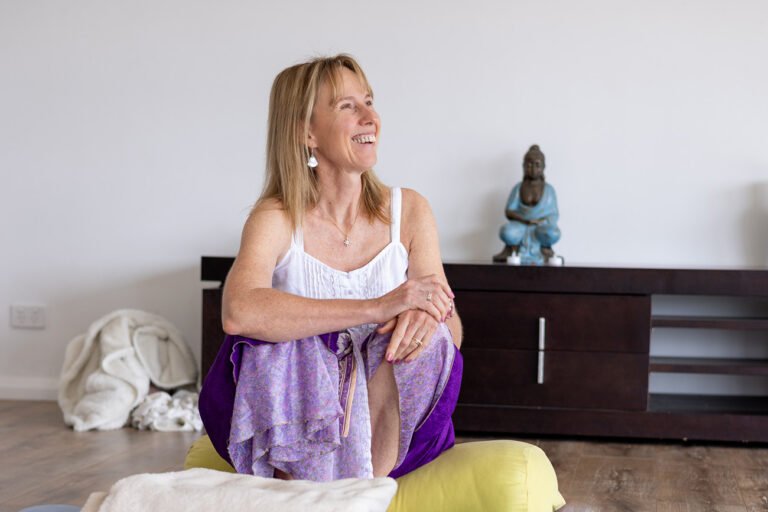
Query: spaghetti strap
[(396, 211), (298, 238)]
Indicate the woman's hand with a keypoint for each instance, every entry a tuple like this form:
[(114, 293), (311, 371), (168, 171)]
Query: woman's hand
[(411, 331), (430, 294)]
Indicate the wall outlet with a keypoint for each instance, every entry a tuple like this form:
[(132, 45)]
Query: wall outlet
[(27, 316)]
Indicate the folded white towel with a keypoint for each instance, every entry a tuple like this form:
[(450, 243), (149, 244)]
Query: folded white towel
[(107, 370), (203, 490)]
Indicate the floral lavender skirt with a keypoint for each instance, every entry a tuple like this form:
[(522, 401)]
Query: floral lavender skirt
[(302, 406)]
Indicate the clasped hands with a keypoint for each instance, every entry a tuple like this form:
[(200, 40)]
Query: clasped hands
[(419, 306)]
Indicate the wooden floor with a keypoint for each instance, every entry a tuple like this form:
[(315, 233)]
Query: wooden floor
[(43, 461), (654, 477)]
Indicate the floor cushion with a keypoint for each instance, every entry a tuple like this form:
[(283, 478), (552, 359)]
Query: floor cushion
[(498, 475)]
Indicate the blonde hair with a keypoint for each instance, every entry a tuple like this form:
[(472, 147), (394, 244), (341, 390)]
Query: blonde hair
[(291, 101)]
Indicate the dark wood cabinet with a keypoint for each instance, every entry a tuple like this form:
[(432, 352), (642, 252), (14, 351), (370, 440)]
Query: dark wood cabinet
[(566, 351), (543, 350), (586, 380), (510, 320)]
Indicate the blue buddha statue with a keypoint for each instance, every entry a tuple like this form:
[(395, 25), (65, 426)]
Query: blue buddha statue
[(532, 212)]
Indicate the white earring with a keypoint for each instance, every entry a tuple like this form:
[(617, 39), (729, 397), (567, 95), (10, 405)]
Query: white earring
[(312, 162)]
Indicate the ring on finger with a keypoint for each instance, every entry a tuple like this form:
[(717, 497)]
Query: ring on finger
[(429, 297), (417, 341)]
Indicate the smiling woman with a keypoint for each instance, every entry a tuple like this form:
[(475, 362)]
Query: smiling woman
[(342, 357)]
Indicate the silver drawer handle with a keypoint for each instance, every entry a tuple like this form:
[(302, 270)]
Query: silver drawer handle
[(542, 347)]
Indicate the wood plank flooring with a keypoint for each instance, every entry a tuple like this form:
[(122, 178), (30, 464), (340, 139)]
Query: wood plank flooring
[(670, 477), (43, 461)]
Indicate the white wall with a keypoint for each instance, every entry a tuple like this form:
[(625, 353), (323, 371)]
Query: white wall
[(132, 137)]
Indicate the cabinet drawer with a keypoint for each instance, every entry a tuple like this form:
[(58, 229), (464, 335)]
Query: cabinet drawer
[(588, 380), (606, 323)]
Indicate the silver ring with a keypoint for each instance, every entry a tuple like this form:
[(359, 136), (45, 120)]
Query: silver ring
[(417, 341), (429, 297)]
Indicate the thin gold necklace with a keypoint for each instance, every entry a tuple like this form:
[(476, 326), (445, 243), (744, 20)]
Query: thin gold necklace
[(347, 241)]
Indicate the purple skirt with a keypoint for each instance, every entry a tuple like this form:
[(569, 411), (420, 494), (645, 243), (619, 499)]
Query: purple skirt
[(295, 405)]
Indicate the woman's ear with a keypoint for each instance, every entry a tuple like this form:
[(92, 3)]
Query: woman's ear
[(309, 138)]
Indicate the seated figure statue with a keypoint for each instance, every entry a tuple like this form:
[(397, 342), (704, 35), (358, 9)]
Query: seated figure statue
[(532, 212)]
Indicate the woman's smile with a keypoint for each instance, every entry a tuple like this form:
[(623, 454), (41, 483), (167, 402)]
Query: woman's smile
[(365, 139)]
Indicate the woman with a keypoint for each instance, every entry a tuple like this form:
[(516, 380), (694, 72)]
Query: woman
[(342, 357)]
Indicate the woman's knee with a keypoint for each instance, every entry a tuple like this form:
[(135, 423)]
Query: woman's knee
[(382, 392)]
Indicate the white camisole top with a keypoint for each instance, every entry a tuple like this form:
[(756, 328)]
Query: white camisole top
[(301, 274)]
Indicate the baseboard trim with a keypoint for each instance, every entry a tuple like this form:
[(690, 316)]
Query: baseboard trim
[(28, 388)]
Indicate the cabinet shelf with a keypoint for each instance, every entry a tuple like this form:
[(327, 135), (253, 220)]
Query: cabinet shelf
[(714, 322), (709, 366), (708, 404)]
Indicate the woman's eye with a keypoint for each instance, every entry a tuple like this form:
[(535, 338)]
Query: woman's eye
[(346, 105), (369, 103)]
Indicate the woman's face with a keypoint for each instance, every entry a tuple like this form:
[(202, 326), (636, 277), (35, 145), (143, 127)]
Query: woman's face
[(344, 131)]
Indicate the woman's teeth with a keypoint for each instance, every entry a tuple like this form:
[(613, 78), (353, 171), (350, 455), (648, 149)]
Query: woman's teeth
[(364, 139)]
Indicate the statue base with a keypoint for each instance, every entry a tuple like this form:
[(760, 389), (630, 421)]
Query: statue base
[(512, 257)]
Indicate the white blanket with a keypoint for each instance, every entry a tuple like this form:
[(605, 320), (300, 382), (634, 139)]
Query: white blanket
[(165, 413), (204, 490), (107, 370)]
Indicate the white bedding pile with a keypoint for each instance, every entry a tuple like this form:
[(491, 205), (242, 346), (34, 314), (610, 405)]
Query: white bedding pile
[(107, 370), (165, 413), (204, 490)]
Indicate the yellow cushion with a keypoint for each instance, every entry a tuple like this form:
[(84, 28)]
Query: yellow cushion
[(483, 475), (202, 454), (503, 476)]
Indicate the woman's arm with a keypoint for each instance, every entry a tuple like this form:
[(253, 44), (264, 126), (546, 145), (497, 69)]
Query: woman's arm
[(419, 235), (252, 308)]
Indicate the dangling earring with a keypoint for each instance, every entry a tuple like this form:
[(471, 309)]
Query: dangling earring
[(312, 162)]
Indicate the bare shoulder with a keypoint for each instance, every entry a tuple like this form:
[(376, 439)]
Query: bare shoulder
[(415, 206), (268, 213), (418, 220), (267, 231)]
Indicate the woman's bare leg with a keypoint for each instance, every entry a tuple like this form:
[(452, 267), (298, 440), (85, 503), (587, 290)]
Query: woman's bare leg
[(384, 405), (282, 476)]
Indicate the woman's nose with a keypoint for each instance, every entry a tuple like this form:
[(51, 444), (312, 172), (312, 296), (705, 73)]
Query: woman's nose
[(368, 115)]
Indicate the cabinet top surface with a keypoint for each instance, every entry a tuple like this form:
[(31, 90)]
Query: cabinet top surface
[(610, 280), (613, 266), (579, 279)]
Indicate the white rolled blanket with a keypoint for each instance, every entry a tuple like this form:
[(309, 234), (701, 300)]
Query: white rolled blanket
[(203, 490), (107, 370)]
